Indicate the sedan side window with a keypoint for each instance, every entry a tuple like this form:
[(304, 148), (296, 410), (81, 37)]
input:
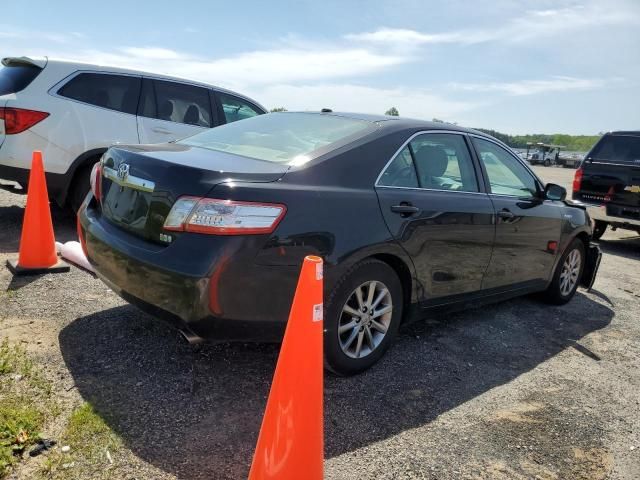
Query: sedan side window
[(443, 162), (177, 102), (235, 108), (507, 176), (400, 172)]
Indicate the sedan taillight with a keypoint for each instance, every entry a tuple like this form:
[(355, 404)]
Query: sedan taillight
[(95, 179), (223, 217), (17, 120)]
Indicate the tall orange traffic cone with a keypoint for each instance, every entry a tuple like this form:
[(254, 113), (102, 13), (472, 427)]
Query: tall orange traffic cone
[(37, 244), (290, 445)]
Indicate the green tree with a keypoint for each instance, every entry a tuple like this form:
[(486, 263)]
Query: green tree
[(393, 112), (278, 109)]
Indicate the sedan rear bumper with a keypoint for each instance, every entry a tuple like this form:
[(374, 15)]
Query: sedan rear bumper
[(207, 287)]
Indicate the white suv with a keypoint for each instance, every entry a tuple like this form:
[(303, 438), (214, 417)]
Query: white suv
[(73, 112)]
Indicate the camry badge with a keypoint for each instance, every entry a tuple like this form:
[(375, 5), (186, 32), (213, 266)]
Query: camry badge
[(123, 171)]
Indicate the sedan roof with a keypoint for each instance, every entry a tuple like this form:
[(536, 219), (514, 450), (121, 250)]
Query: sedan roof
[(397, 122)]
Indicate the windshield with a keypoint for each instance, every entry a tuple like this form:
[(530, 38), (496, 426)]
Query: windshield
[(292, 138), (617, 148), (16, 77)]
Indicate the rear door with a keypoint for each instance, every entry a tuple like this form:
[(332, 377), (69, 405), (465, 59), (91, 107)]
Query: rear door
[(172, 110), (525, 224), (434, 206)]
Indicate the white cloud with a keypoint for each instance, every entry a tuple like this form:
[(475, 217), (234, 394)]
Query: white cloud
[(535, 25), (284, 65), (413, 103), (533, 87)]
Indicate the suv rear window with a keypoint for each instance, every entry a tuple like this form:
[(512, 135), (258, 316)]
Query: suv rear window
[(292, 138), (116, 92), (15, 78), (617, 148)]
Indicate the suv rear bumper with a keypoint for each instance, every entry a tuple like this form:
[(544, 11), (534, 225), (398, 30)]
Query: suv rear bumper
[(599, 212)]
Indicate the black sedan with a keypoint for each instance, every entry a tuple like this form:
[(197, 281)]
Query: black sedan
[(209, 232)]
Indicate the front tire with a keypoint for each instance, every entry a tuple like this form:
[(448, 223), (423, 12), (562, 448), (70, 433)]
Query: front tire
[(363, 314), (568, 273)]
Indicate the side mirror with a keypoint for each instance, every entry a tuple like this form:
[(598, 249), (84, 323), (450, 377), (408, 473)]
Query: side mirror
[(554, 192)]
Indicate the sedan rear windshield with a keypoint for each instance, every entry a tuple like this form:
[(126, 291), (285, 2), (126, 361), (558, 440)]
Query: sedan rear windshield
[(15, 78), (617, 148), (292, 138)]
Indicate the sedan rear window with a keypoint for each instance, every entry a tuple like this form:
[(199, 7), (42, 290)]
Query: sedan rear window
[(293, 138), (15, 78), (617, 148)]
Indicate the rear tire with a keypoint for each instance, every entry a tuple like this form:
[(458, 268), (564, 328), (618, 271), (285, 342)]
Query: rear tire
[(80, 186), (547, 163), (599, 229), (567, 276), (360, 327)]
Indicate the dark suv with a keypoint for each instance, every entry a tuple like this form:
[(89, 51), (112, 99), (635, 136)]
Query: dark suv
[(608, 180)]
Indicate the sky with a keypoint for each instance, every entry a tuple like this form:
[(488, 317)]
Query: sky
[(560, 66)]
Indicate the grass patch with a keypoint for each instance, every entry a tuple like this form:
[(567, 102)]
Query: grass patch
[(93, 448), (24, 399)]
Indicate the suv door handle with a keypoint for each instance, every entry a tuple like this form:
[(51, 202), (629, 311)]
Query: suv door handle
[(505, 214), (405, 209), (161, 130)]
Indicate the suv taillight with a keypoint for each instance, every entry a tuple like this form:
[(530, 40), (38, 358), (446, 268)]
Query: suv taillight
[(17, 120), (577, 180), (95, 179), (223, 217)]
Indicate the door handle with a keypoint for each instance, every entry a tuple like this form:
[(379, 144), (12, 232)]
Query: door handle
[(505, 214), (161, 130), (405, 209)]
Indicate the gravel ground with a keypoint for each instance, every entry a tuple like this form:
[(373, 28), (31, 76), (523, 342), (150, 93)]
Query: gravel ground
[(510, 391)]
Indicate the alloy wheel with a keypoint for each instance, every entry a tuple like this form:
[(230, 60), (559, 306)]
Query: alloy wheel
[(570, 272), (365, 319)]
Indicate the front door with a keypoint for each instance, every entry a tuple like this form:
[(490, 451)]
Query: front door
[(528, 227), (433, 205)]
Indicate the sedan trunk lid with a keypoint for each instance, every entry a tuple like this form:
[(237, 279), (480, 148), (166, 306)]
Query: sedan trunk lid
[(141, 183)]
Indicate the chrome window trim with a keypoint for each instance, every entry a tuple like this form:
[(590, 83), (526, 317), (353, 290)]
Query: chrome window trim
[(430, 190), (130, 181), (404, 145)]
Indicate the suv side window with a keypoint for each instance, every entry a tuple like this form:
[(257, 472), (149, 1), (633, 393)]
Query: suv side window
[(507, 176), (235, 108), (115, 92), (400, 172), (176, 102), (443, 162)]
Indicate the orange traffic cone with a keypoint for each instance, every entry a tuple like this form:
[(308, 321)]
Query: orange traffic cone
[(290, 445), (37, 244)]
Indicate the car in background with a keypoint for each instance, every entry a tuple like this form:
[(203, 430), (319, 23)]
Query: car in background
[(73, 112), (209, 232), (608, 181)]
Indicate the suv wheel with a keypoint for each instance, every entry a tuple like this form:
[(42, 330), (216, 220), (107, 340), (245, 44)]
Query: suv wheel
[(362, 317), (80, 186), (567, 276), (599, 229), (547, 163)]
